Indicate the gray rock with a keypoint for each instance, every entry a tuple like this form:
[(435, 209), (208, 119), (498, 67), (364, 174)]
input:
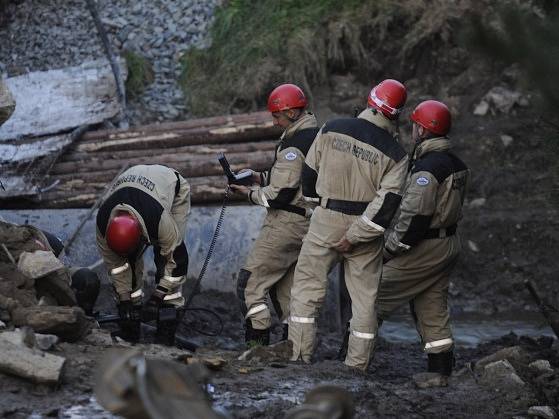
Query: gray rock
[(38, 263), (2, 325), (98, 337), (502, 375), (540, 365), (430, 379), (45, 342), (514, 354), (277, 352), (546, 412)]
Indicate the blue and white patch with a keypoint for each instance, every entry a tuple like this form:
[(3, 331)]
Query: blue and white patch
[(422, 181), (290, 156)]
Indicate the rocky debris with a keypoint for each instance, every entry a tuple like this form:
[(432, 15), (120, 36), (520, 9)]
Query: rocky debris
[(2, 325), (32, 364), (98, 337), (506, 140), (502, 375), (26, 337), (546, 412), (213, 363), (277, 352), (69, 323), (61, 33), (7, 104), (540, 366), (501, 99), (513, 354), (477, 203), (38, 263), (430, 379)]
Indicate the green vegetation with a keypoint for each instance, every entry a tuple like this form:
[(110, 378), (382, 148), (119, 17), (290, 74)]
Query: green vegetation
[(258, 45), (140, 74)]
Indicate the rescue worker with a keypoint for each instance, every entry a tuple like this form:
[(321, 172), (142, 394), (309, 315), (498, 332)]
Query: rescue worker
[(354, 170), (147, 205), (423, 246), (269, 267)]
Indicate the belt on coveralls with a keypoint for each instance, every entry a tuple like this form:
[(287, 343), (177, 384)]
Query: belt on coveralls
[(441, 233), (290, 208), (345, 207)]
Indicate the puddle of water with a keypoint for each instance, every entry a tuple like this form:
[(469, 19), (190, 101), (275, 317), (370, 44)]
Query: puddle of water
[(468, 332)]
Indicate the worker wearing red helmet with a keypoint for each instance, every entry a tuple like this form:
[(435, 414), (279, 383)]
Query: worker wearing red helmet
[(147, 205), (354, 170), (269, 267), (423, 246)]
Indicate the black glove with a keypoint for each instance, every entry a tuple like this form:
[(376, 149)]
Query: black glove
[(127, 311)]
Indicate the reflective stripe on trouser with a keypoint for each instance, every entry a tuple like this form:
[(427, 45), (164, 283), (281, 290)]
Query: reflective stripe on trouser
[(270, 267), (363, 265), (302, 332), (421, 277), (135, 288)]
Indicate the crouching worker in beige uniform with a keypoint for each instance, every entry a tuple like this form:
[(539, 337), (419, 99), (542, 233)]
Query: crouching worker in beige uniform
[(423, 246), (147, 205), (354, 169), (269, 267)]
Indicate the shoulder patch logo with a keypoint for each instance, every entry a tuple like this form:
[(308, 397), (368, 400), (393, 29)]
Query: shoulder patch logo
[(422, 181), (290, 156)]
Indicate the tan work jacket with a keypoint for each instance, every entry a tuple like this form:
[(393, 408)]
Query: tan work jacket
[(360, 161), (281, 185), (432, 198), (159, 197)]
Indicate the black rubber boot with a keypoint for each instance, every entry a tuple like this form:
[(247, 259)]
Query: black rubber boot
[(254, 337), (167, 322), (441, 363), (130, 321), (285, 332)]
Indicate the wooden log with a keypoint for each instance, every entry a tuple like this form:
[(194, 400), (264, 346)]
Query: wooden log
[(212, 149), (226, 120), (32, 364), (236, 134), (191, 165)]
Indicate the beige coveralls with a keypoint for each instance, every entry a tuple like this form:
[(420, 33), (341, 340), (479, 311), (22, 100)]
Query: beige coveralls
[(424, 244), (159, 197), (269, 267), (358, 168)]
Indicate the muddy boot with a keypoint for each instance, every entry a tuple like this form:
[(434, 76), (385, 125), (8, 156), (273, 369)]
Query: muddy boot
[(255, 337), (129, 321), (441, 363), (167, 322)]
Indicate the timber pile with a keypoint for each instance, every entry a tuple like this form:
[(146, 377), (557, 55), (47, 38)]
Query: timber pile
[(191, 147)]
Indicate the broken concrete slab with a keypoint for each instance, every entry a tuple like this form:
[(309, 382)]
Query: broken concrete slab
[(546, 412), (280, 351), (514, 354), (32, 364), (38, 263), (68, 323), (430, 379), (50, 102)]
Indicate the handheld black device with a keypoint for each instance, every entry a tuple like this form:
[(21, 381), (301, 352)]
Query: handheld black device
[(244, 178)]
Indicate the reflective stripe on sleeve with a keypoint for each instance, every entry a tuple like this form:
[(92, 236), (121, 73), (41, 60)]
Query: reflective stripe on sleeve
[(173, 279), (370, 223), (404, 246), (173, 296), (362, 335), (264, 200), (137, 293), (256, 309), (296, 319), (120, 269), (437, 343)]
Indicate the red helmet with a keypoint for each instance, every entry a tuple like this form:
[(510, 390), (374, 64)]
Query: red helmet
[(389, 96), (432, 115), (286, 96), (123, 234)]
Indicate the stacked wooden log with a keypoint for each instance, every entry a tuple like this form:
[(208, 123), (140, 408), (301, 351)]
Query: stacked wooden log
[(191, 147)]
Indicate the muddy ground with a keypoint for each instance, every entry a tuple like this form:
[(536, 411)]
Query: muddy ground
[(266, 388)]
